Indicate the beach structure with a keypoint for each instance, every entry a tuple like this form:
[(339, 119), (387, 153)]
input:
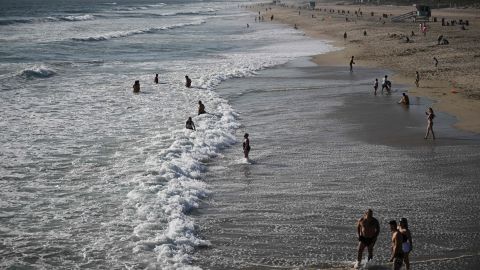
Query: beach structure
[(312, 4), (421, 14)]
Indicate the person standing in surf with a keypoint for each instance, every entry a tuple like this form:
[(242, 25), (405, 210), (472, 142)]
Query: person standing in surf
[(246, 145), (407, 244), (189, 124), (136, 87), (201, 108), (156, 79), (351, 64), (188, 81), (430, 116), (368, 229), (397, 252)]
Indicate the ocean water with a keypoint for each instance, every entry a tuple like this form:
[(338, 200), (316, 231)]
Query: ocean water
[(96, 177), (92, 175)]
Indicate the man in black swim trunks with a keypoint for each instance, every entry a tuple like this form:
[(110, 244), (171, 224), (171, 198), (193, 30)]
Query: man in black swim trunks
[(368, 229)]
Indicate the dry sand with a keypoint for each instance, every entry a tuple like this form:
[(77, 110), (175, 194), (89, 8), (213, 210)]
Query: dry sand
[(453, 85)]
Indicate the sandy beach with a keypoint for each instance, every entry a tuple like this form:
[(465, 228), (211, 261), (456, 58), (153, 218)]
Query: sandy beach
[(453, 85), (322, 152)]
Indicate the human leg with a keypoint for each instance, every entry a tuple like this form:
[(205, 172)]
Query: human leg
[(406, 260), (370, 251), (361, 247)]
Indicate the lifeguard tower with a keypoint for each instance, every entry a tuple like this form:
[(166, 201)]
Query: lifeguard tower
[(422, 14)]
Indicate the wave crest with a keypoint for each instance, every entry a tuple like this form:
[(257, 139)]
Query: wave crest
[(108, 36), (37, 71)]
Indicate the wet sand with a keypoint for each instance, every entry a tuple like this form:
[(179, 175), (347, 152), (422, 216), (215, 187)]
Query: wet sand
[(454, 84), (324, 149)]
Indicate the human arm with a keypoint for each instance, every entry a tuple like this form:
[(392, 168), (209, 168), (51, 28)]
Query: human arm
[(359, 229), (377, 228)]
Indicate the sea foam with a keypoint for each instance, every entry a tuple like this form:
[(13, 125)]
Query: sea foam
[(37, 71), (121, 34), (163, 201)]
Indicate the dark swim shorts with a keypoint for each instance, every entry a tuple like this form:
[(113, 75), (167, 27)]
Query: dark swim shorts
[(367, 241)]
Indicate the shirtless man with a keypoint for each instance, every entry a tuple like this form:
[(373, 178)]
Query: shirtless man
[(189, 124), (397, 252), (201, 108), (368, 229)]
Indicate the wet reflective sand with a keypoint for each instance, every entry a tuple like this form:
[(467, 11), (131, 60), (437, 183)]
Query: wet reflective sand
[(324, 149)]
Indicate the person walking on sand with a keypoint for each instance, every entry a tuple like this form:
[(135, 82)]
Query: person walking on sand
[(368, 229), (351, 64), (136, 87), (188, 82), (397, 252), (405, 100), (430, 116), (156, 79), (189, 124), (435, 61), (407, 245), (417, 78), (246, 145), (201, 108), (345, 36), (375, 86)]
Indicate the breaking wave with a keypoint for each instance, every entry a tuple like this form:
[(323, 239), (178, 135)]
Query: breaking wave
[(122, 34)]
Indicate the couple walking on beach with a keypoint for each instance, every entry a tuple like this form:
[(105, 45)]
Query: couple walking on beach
[(368, 229)]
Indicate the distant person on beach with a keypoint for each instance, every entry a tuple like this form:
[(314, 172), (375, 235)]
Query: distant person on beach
[(156, 79), (417, 78), (246, 145), (248, 25), (368, 229), (136, 87), (397, 252), (201, 108), (406, 241), (430, 116), (295, 26), (405, 100), (189, 124), (351, 64), (188, 82), (345, 36), (386, 84), (435, 61), (271, 18), (375, 86), (364, 32)]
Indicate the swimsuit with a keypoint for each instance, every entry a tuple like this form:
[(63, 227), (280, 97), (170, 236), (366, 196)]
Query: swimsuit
[(367, 241), (406, 248)]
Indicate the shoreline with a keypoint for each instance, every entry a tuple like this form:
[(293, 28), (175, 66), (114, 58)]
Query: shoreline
[(451, 88), (312, 162)]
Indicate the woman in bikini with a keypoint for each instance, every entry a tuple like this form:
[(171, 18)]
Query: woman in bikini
[(430, 116), (406, 241)]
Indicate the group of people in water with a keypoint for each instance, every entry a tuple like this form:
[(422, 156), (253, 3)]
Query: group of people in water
[(368, 229), (201, 110)]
